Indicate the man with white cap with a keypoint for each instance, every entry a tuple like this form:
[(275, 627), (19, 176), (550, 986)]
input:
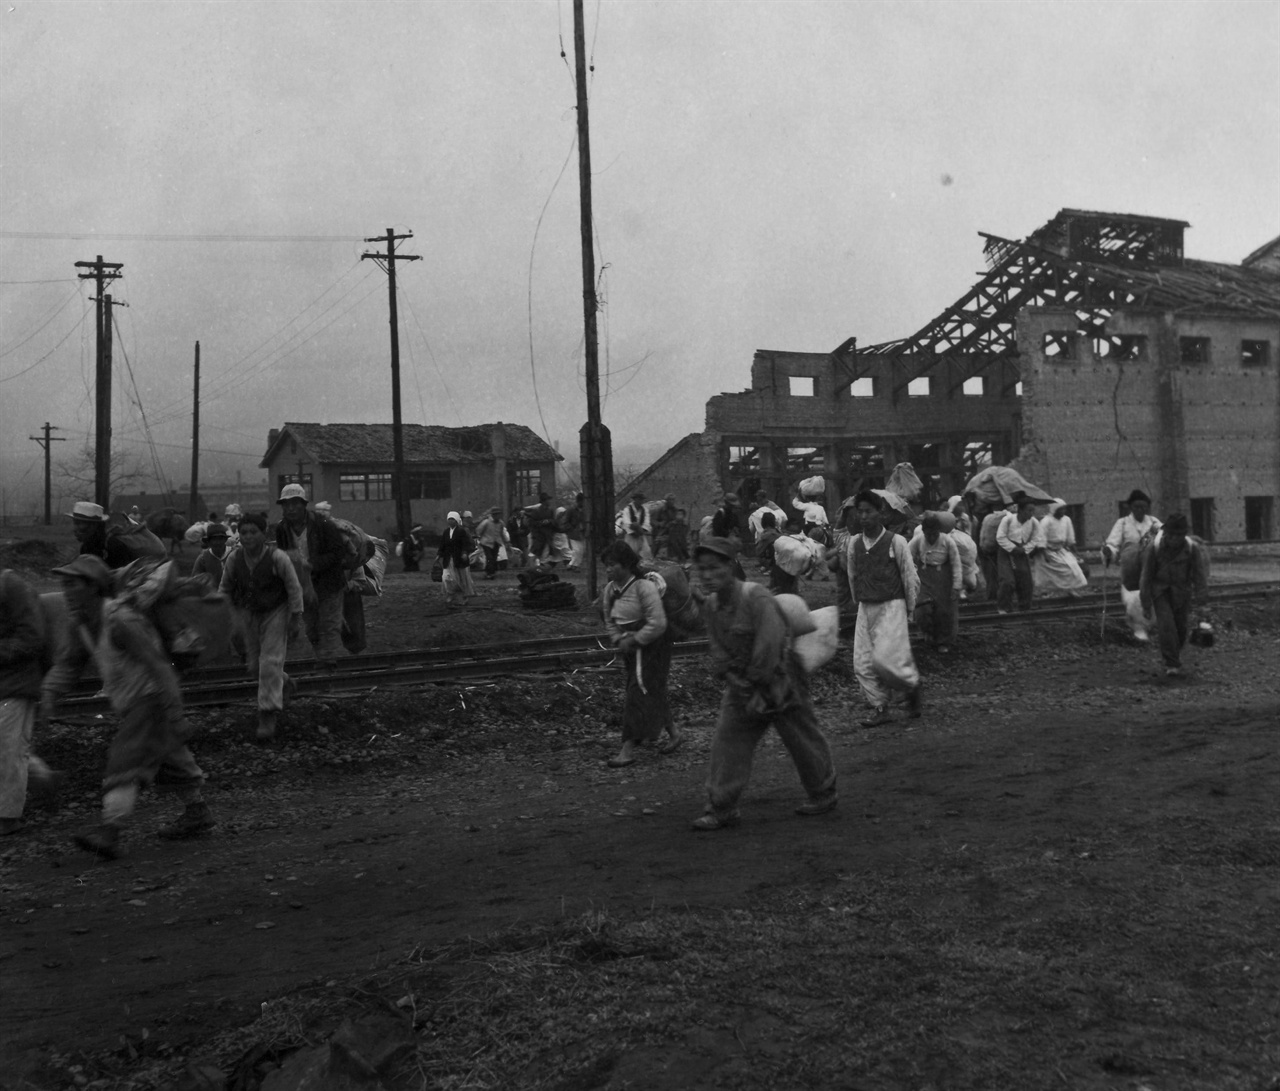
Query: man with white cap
[(321, 549), (89, 525)]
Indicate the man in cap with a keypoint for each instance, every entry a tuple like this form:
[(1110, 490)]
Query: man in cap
[(89, 525), (492, 535), (321, 549), (209, 563), (1175, 573), (635, 527), (764, 685), (1130, 535), (727, 520), (1019, 538), (140, 682), (884, 584)]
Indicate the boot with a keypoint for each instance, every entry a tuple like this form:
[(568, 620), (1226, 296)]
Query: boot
[(194, 821), (102, 840), (266, 725)]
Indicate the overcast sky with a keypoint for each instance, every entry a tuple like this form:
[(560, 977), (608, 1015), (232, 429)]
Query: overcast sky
[(766, 175)]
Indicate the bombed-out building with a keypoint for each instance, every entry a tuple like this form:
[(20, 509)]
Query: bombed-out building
[(1093, 355)]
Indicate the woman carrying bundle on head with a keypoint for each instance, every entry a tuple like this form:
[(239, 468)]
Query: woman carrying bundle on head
[(636, 623)]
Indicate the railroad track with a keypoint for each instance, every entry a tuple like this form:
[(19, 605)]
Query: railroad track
[(422, 666)]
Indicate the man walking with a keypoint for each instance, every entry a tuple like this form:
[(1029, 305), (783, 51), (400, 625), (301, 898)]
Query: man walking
[(1174, 575), (1019, 539), (764, 685), (321, 549)]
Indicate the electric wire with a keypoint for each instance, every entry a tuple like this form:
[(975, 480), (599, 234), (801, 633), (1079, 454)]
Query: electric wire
[(431, 352), (150, 237), (146, 428), (32, 367), (61, 307)]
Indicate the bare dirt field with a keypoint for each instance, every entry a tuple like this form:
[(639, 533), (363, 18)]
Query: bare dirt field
[(1065, 875)]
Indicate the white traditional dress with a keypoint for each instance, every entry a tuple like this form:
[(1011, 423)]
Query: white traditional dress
[(1055, 569)]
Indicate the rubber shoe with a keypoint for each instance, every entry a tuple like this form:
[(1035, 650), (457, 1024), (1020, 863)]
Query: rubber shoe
[(879, 715), (713, 821), (194, 821), (818, 806), (102, 840)]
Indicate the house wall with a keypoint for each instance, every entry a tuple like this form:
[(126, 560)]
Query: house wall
[(474, 487), (892, 421), (1096, 428), (690, 471)]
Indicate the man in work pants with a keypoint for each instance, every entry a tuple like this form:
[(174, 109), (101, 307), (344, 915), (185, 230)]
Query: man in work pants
[(764, 686)]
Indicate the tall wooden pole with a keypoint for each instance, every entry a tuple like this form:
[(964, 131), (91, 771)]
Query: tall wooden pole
[(594, 442), (404, 518), (102, 272), (46, 442), (192, 513)]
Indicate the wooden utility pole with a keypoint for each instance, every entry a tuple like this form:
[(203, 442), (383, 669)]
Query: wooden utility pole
[(594, 444), (46, 441), (103, 273), (192, 513), (404, 520)]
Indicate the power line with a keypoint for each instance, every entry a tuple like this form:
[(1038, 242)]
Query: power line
[(55, 348), (61, 307), (149, 237)]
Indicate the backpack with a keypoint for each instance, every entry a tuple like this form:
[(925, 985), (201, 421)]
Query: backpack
[(684, 616)]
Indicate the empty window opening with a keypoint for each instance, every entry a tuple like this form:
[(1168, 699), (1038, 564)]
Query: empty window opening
[(1258, 524), (1017, 389), (978, 454), (919, 388), (1075, 512), (1193, 350), (1255, 352), (975, 387), (804, 460), (1060, 345), (865, 467), (438, 484), (801, 386), (743, 461), (526, 485), (364, 487), (864, 387), (925, 456), (1202, 518)]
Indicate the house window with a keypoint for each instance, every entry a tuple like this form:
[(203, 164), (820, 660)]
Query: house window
[(806, 460), (977, 455), (364, 487), (428, 485), (1254, 353), (743, 461), (1075, 512), (864, 387), (1017, 389), (1060, 345), (920, 388), (1124, 348), (975, 387), (294, 479), (528, 484), (801, 386), (1202, 518), (1257, 518), (1193, 350)]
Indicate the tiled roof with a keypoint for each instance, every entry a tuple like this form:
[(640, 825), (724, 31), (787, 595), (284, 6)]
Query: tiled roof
[(371, 443)]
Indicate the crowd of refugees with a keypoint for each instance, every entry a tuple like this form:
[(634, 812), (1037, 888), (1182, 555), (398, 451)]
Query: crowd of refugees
[(891, 565)]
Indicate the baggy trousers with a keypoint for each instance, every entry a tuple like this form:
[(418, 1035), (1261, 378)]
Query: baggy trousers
[(324, 624), (1173, 622), (17, 720), (737, 734), (882, 649), (266, 638), (1015, 580)]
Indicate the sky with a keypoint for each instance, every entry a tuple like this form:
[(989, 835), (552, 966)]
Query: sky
[(764, 175)]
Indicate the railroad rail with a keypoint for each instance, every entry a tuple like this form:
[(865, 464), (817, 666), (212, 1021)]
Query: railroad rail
[(424, 666)]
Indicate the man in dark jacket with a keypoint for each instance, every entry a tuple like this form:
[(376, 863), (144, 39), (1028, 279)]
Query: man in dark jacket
[(89, 525), (320, 548)]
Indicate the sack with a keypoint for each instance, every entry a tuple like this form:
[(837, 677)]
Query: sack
[(817, 648), (400, 548), (904, 481), (368, 579), (138, 540), (545, 591), (813, 488), (194, 533), (796, 612), (684, 615), (793, 555), (194, 626), (437, 569), (355, 543)]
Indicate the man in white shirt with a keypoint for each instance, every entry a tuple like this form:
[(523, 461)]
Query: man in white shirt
[(1019, 537), (1125, 544)]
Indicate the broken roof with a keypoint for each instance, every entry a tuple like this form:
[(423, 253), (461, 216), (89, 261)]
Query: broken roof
[(372, 443), (1093, 263)]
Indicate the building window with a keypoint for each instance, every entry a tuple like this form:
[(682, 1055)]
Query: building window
[(1254, 353), (1202, 518), (294, 479), (865, 466), (920, 388), (1193, 350), (1017, 389), (804, 460), (1124, 348), (1257, 518), (864, 387), (977, 455), (744, 461), (527, 484), (1060, 345), (975, 387), (427, 485), (364, 487), (801, 386)]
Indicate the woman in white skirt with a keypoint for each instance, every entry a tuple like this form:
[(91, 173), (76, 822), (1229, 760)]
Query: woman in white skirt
[(1055, 569)]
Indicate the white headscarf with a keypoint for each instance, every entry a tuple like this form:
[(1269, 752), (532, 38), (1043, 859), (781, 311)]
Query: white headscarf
[(455, 517)]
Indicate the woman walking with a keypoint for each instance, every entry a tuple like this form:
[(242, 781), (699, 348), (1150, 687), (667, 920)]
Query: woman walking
[(636, 623), (455, 553), (1055, 570)]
